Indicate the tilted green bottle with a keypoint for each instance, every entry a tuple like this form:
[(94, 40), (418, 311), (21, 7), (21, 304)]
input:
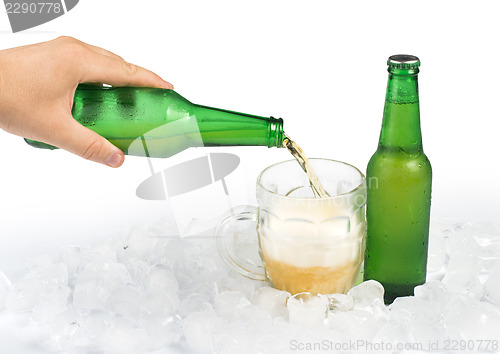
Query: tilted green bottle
[(399, 188), (160, 123)]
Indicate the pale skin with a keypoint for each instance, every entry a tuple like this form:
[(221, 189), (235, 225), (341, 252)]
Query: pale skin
[(37, 86)]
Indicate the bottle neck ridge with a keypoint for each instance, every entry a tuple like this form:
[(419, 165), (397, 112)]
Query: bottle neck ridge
[(275, 132), (402, 89)]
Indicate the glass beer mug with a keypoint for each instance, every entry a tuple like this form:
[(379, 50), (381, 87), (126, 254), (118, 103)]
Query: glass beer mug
[(305, 243)]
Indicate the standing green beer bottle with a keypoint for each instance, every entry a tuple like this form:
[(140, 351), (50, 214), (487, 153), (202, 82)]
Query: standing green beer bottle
[(399, 188), (160, 123)]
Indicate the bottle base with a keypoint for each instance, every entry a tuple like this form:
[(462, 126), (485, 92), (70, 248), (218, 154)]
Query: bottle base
[(393, 291)]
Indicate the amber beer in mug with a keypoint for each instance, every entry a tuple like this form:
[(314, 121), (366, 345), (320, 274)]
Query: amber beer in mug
[(306, 243)]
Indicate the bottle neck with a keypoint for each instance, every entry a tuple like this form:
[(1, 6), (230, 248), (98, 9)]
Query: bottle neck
[(401, 121), (219, 127)]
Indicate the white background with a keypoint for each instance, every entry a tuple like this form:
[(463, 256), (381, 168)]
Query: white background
[(320, 65)]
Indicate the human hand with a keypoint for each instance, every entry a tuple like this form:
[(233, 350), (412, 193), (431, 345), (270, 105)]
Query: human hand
[(37, 86)]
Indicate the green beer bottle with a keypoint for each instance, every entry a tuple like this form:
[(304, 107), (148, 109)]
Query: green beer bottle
[(160, 123), (399, 188)]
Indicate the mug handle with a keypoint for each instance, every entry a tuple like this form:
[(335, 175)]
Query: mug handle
[(237, 242)]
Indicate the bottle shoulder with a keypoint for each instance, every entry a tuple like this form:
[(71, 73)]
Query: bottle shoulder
[(399, 161)]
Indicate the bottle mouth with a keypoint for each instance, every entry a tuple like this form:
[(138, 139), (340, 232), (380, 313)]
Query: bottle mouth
[(403, 61), (275, 132), (403, 64)]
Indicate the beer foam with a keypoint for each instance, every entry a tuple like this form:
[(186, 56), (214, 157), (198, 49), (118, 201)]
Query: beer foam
[(309, 249)]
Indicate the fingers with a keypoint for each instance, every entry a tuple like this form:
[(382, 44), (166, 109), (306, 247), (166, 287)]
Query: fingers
[(85, 143), (102, 51), (109, 68), (70, 40), (96, 64)]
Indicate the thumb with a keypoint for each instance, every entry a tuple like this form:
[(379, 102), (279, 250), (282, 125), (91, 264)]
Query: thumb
[(86, 143)]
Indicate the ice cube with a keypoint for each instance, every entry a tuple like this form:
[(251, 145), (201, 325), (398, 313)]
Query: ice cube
[(203, 286), (198, 328), (227, 302), (126, 300), (464, 280), (166, 227), (104, 251), (432, 291), (461, 261), (271, 344), (369, 296), (141, 242), (462, 241), (175, 250), (405, 305), (5, 285), (340, 302), (489, 322), (97, 281), (254, 316), (236, 282), (124, 337), (425, 329), (418, 307), (108, 271), (137, 269), (161, 278), (51, 302), (287, 331), (154, 302), (364, 294), (477, 241), (193, 274), (395, 331), (63, 332), (91, 293), (194, 302), (23, 295), (71, 256), (237, 337), (192, 271), (422, 313), (162, 329), (271, 300), (437, 255), (307, 310), (159, 253), (92, 330), (492, 285), (464, 317), (46, 273), (356, 324)]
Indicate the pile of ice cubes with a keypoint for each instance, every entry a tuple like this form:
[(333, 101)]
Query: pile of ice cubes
[(155, 291)]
